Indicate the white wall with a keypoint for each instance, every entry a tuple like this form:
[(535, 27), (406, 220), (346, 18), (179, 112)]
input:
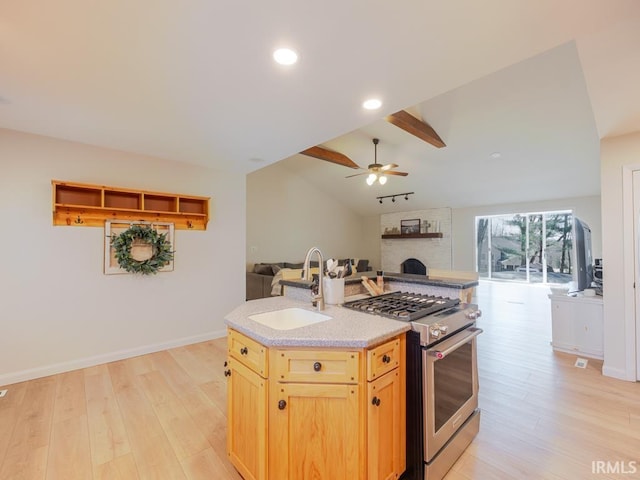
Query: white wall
[(464, 244), (619, 156), (286, 216), (58, 310)]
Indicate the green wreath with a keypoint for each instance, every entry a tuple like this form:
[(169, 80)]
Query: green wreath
[(162, 254)]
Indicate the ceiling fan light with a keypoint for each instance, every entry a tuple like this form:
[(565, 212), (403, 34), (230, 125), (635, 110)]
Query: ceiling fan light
[(382, 179), (371, 178)]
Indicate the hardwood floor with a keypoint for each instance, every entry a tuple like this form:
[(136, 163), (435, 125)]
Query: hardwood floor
[(162, 416), (158, 416), (542, 417)]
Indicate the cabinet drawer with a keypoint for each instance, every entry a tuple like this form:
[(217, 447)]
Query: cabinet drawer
[(317, 366), (248, 352), (383, 359)]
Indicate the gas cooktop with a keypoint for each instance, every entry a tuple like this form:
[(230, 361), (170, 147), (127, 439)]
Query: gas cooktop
[(402, 306)]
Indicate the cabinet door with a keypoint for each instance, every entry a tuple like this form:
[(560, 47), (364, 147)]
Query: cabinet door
[(247, 421), (589, 329), (563, 330), (577, 326), (383, 419), (315, 432)]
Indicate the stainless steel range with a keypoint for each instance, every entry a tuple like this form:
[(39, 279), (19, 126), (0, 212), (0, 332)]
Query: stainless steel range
[(442, 377)]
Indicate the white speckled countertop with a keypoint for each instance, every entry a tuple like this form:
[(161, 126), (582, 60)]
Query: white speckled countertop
[(347, 328)]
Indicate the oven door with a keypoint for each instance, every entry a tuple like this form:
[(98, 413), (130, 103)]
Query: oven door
[(450, 383)]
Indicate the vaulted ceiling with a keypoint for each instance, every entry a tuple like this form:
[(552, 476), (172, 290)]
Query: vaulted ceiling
[(540, 82)]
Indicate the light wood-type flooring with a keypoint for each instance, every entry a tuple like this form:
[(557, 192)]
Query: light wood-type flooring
[(162, 416)]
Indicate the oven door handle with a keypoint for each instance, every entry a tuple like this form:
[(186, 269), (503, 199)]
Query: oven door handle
[(440, 354)]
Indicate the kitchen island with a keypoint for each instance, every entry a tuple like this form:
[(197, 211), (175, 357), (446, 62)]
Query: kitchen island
[(326, 400)]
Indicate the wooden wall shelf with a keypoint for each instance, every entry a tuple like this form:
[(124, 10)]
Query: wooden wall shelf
[(79, 204), (413, 235)]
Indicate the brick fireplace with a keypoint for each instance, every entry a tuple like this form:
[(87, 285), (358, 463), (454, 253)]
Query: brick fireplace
[(431, 252)]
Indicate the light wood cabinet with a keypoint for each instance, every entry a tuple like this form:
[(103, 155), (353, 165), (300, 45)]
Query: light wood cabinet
[(383, 359), (80, 204), (316, 429), (247, 394), (249, 352), (383, 426), (330, 413), (317, 366), (247, 421)]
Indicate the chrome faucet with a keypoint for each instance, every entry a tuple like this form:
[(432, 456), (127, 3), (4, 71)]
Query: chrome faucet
[(319, 298)]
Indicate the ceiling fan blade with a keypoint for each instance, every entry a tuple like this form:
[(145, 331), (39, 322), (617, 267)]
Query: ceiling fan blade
[(357, 174), (388, 166), (393, 172), (330, 156), (415, 126)]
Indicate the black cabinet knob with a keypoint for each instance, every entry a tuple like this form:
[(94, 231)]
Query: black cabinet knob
[(317, 366), (244, 350), (225, 364), (227, 373), (375, 401), (386, 358), (282, 405)]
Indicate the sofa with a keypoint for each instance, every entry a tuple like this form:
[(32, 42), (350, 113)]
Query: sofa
[(263, 280)]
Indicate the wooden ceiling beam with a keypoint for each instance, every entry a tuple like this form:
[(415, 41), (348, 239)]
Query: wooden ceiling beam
[(415, 127), (330, 156)]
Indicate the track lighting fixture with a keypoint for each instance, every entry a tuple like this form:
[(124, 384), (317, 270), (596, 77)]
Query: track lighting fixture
[(393, 197)]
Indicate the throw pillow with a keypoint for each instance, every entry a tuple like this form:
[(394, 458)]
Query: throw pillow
[(263, 269)]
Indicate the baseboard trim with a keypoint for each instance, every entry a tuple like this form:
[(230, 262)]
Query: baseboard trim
[(618, 373), (46, 370)]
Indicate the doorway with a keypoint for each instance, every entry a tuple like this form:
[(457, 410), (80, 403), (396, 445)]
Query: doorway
[(636, 242)]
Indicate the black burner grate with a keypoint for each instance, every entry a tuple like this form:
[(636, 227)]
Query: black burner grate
[(402, 306)]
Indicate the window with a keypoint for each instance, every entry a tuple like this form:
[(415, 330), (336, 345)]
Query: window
[(525, 247)]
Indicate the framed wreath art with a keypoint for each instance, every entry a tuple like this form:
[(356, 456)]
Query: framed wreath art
[(135, 247)]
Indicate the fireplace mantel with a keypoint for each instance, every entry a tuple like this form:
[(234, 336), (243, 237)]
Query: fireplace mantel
[(412, 235)]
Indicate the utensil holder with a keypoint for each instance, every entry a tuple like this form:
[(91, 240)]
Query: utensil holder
[(333, 290)]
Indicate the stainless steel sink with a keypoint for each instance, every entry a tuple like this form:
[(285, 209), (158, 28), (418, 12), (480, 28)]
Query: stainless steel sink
[(289, 318)]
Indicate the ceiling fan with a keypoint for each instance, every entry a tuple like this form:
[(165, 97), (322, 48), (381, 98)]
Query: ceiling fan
[(377, 171), (403, 120)]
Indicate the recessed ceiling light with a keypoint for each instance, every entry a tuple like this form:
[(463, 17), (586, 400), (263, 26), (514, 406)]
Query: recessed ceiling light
[(496, 155), (372, 104), (285, 56)]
